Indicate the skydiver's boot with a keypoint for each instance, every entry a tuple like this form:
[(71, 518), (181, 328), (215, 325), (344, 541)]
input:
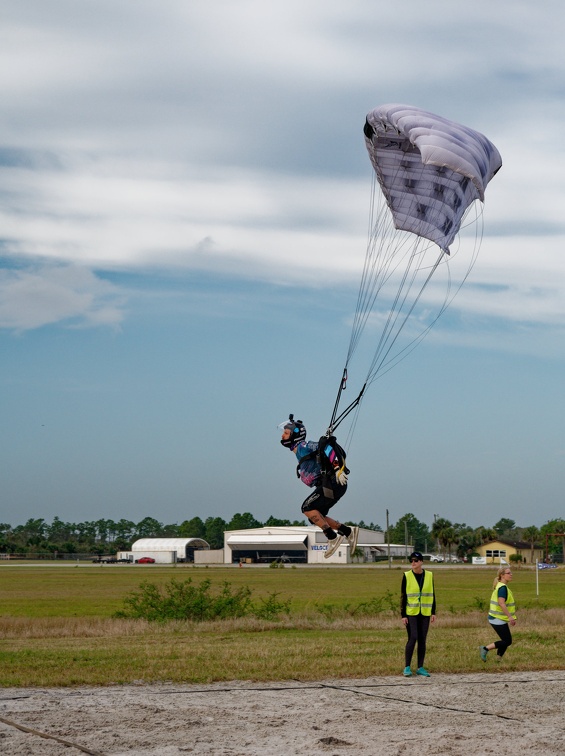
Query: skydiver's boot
[(333, 546), (351, 533)]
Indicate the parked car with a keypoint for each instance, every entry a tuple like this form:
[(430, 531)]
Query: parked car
[(145, 560), (432, 558)]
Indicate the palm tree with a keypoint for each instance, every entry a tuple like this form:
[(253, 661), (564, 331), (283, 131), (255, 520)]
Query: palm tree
[(450, 538), (531, 534), (439, 529), (487, 534)]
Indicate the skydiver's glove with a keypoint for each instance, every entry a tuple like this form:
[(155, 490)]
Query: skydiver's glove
[(341, 477)]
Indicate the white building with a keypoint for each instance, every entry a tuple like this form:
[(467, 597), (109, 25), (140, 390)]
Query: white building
[(306, 544), (164, 550)]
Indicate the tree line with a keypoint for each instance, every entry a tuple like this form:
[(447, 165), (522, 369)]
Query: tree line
[(460, 539), (96, 537)]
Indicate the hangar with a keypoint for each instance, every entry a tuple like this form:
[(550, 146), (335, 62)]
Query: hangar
[(296, 544), (164, 550)]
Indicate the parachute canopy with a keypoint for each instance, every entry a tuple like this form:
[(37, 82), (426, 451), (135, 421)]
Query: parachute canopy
[(429, 175), (429, 169)]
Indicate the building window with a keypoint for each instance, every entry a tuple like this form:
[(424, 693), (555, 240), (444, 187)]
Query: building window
[(493, 553)]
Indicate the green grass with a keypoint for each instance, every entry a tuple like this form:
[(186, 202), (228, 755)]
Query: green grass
[(56, 626)]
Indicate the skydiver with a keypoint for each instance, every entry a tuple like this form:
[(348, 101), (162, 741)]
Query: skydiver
[(327, 475)]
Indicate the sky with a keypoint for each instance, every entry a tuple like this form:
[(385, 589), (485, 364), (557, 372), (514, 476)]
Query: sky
[(184, 204)]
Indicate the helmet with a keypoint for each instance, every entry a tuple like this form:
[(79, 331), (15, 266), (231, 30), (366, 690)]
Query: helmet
[(297, 432)]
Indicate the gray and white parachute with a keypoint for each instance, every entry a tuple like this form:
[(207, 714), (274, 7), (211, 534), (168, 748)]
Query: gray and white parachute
[(430, 174), (430, 169)]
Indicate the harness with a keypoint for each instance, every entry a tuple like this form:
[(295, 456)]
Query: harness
[(329, 455)]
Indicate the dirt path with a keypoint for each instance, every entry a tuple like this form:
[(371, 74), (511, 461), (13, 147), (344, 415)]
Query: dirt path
[(502, 714)]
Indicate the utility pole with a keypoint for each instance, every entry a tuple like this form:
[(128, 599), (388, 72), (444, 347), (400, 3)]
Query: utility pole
[(388, 541)]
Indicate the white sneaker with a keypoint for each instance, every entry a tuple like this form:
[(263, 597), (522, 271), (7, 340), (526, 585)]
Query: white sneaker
[(333, 546), (352, 539)]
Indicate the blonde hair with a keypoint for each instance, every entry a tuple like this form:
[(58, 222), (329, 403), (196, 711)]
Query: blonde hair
[(499, 574)]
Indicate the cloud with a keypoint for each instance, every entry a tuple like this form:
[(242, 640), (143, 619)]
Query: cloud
[(181, 137), (66, 294)]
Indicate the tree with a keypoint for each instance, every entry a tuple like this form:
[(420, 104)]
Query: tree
[(370, 526), (554, 545), (274, 522), (531, 534), (60, 531), (32, 533), (102, 530), (125, 530), (148, 528), (215, 528), (86, 532), (469, 539), (441, 530), (504, 526), (193, 528), (487, 534), (450, 537), (408, 525), (243, 521)]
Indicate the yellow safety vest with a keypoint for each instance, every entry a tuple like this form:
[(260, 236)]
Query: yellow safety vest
[(419, 602), (495, 610)]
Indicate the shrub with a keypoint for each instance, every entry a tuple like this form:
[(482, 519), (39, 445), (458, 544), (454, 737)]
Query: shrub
[(480, 603), (182, 600)]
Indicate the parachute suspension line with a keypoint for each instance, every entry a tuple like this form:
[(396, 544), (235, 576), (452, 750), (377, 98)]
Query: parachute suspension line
[(383, 367), (392, 330), (376, 270), (335, 421)]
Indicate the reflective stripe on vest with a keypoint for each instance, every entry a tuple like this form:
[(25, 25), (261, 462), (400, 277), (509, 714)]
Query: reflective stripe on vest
[(495, 610), (419, 602)]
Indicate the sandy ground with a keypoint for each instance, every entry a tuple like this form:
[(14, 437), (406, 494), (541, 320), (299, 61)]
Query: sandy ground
[(499, 713)]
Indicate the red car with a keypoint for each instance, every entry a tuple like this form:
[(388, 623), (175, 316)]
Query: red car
[(145, 560)]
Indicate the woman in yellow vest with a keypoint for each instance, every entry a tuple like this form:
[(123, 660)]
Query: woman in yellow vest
[(418, 609), (502, 613)]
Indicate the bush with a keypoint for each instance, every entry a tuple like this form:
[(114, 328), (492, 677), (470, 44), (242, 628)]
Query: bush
[(182, 600), (371, 608), (480, 603)]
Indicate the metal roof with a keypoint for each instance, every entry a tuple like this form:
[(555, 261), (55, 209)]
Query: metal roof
[(168, 544)]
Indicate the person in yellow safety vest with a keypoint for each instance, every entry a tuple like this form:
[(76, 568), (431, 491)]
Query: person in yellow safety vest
[(418, 609), (502, 613)]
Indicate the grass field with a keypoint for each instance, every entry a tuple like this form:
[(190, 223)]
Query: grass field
[(57, 626)]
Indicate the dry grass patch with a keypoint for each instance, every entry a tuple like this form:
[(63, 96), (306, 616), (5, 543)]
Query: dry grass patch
[(51, 652)]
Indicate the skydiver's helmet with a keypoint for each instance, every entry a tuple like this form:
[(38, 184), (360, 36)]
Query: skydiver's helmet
[(297, 432)]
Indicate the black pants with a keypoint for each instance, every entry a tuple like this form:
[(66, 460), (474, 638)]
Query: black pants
[(417, 629), (324, 496), (503, 631)]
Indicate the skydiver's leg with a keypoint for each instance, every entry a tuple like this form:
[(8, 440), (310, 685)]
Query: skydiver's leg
[(316, 509), (412, 630), (337, 492), (423, 625), (505, 639)]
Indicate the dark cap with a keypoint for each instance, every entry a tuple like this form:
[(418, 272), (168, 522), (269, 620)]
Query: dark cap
[(416, 555)]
